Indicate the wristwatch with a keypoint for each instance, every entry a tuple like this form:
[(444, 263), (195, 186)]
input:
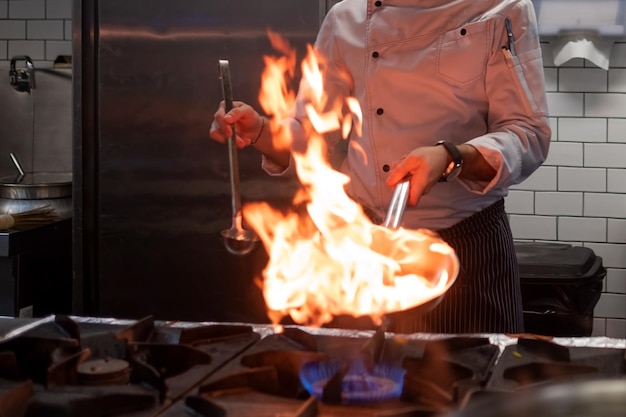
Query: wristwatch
[(454, 167)]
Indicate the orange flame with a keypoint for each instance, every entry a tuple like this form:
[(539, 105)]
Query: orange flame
[(330, 259)]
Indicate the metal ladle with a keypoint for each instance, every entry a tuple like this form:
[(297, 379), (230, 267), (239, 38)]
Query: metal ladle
[(237, 240)]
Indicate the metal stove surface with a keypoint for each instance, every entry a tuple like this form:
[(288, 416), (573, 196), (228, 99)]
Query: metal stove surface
[(63, 366), (444, 373), (264, 380), (533, 362), (67, 368)]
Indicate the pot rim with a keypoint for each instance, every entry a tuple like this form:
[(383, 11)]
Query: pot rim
[(52, 185)]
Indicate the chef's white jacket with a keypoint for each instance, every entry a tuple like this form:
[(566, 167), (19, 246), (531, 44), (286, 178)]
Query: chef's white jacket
[(431, 70)]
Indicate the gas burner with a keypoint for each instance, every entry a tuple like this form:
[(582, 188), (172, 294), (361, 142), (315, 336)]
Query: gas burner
[(107, 371), (337, 382), (326, 375), (74, 367)]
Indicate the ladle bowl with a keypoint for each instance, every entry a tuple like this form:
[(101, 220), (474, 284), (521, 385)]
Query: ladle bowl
[(239, 241)]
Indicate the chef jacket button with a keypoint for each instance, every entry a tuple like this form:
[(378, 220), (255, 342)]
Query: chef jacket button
[(375, 54), (378, 3), (386, 168), (379, 111), (463, 32)]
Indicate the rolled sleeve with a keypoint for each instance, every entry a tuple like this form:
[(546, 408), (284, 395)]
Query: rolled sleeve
[(518, 139)]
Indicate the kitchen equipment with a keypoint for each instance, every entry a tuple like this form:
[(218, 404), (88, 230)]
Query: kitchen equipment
[(178, 369), (561, 285), (26, 191), (151, 190), (398, 204), (44, 214), (237, 240), (397, 321), (82, 368), (36, 274), (22, 79), (11, 328)]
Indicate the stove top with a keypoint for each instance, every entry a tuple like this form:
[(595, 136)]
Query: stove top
[(69, 366)]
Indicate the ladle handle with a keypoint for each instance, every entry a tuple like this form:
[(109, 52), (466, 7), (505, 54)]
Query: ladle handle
[(227, 93), (395, 211), (17, 164)]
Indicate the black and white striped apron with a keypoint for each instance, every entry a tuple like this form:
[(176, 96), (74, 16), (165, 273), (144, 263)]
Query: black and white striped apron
[(486, 297)]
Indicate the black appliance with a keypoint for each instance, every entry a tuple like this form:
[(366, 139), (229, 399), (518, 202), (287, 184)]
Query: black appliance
[(36, 275), (561, 286)]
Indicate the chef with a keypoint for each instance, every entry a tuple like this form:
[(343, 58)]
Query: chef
[(452, 95)]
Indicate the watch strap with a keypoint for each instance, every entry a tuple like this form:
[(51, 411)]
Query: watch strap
[(454, 168)]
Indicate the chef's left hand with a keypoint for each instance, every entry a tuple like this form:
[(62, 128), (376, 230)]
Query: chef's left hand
[(424, 165)]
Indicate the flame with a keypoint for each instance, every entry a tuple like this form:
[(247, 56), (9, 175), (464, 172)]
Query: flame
[(326, 258)]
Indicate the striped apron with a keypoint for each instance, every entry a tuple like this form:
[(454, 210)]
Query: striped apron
[(486, 297)]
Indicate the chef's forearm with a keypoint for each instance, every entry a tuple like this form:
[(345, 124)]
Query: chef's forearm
[(268, 144), (475, 167)]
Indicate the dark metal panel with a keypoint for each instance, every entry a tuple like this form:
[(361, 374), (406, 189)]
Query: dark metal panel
[(85, 155), (7, 288), (155, 188)]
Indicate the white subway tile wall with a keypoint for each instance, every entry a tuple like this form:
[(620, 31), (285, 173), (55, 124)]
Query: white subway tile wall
[(58, 9), (44, 29), (582, 80), (552, 203), (617, 130), (604, 205), (566, 104), (543, 179), (606, 155), (27, 9), (616, 181), (581, 129), (582, 179), (616, 280), (521, 202), (582, 229), (13, 29), (580, 192), (577, 197), (565, 154), (605, 105), (617, 234), (41, 29), (617, 80)]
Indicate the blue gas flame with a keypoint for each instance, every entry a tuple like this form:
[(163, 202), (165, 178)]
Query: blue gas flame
[(359, 384)]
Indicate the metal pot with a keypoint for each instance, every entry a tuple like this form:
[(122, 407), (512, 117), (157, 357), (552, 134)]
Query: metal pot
[(33, 190), (584, 398)]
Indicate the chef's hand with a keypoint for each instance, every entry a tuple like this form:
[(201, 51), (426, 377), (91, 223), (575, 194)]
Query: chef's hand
[(245, 121), (424, 165)]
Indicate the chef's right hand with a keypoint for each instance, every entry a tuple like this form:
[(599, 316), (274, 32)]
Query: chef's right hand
[(243, 119), (424, 166)]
